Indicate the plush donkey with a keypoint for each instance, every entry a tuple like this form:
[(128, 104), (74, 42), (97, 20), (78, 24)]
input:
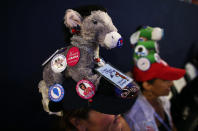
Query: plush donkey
[(96, 29), (87, 34)]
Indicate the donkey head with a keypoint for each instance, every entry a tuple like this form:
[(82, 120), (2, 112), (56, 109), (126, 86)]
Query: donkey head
[(96, 28)]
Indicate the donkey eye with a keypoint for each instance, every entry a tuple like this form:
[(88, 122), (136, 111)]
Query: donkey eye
[(94, 22)]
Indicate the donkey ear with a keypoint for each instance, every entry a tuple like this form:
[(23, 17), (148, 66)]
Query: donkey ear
[(72, 18)]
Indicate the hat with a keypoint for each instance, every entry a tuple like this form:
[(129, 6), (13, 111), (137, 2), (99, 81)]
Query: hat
[(158, 70), (70, 95), (148, 64), (105, 100)]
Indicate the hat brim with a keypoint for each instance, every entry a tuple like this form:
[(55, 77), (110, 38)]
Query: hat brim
[(158, 70), (171, 73), (104, 101)]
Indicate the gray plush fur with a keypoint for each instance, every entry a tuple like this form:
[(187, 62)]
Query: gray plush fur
[(88, 41), (96, 33)]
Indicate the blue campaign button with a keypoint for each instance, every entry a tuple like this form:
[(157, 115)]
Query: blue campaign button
[(56, 92), (120, 42)]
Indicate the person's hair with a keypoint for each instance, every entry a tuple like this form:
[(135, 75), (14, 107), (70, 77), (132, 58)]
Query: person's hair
[(149, 81), (65, 123), (81, 85)]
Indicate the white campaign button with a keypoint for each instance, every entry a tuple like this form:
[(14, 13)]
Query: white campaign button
[(58, 63), (143, 64)]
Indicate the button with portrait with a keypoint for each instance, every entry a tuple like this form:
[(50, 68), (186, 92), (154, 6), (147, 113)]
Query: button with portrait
[(85, 89)]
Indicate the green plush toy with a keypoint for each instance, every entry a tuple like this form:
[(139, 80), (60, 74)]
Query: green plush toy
[(147, 33), (146, 47)]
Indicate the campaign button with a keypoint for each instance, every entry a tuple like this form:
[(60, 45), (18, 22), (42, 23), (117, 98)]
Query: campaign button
[(120, 42), (143, 64), (56, 93), (58, 63), (85, 89), (73, 56)]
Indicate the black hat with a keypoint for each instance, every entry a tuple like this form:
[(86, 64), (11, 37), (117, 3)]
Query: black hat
[(105, 99)]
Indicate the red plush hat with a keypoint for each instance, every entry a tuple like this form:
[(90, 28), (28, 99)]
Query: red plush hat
[(158, 70)]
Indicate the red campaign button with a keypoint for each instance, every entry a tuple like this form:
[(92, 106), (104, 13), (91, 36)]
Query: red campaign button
[(85, 89), (73, 56)]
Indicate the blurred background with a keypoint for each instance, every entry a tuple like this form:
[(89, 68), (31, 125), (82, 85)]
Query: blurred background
[(34, 31)]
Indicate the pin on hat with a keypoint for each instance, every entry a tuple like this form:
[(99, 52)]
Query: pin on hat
[(130, 91), (143, 64), (58, 63), (85, 89), (73, 56), (56, 93), (120, 43)]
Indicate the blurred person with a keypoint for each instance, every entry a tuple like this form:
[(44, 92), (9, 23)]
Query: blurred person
[(103, 112), (151, 111), (85, 119), (185, 103)]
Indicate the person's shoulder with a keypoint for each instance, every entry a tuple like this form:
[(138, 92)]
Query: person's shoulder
[(141, 110), (136, 108)]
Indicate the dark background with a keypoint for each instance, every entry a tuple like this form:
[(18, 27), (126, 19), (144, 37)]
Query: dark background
[(32, 31)]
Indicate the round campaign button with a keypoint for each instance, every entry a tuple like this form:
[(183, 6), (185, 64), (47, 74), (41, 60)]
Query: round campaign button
[(56, 93), (120, 42), (58, 63), (85, 89), (143, 64), (73, 56)]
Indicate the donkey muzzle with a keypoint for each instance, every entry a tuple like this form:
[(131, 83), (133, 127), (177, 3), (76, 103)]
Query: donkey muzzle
[(113, 39)]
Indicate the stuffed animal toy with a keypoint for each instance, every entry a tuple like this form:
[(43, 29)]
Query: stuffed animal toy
[(146, 49), (88, 33), (147, 33), (79, 58)]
